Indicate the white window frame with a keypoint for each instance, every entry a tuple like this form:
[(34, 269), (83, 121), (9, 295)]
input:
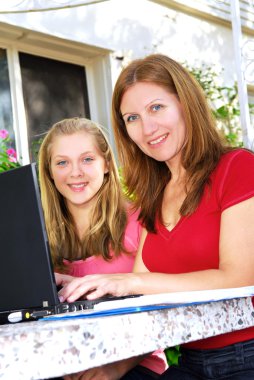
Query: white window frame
[(95, 60)]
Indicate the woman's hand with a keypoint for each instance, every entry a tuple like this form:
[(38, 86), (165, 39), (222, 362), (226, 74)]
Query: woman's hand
[(95, 286)]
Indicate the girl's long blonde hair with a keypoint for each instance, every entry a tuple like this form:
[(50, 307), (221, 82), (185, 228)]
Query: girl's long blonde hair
[(108, 216), (146, 177)]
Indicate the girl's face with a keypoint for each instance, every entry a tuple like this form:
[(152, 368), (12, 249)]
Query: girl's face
[(154, 121), (77, 168)]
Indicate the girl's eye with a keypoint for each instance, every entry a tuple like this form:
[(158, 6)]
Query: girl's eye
[(62, 163), (87, 160), (131, 118)]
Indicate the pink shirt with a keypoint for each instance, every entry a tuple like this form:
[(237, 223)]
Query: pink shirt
[(121, 264)]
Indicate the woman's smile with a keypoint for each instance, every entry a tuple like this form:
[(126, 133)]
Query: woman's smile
[(158, 140)]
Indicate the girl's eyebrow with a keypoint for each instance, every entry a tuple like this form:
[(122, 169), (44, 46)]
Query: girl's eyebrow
[(66, 156), (59, 156), (147, 105)]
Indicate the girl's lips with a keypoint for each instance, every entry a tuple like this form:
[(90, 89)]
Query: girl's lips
[(77, 186), (158, 140)]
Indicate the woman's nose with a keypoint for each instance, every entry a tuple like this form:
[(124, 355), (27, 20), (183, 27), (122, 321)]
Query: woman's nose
[(149, 126)]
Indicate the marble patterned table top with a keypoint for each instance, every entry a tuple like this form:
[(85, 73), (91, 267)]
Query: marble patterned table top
[(44, 349)]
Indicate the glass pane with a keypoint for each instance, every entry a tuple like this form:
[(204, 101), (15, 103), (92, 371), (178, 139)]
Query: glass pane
[(6, 118), (53, 90)]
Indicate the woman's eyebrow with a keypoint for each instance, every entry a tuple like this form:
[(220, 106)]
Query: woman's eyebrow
[(147, 105)]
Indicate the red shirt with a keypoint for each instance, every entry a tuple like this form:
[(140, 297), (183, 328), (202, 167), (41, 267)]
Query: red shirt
[(193, 244)]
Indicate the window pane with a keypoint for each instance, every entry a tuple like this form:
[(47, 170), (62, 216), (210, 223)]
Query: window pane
[(53, 90), (6, 118)]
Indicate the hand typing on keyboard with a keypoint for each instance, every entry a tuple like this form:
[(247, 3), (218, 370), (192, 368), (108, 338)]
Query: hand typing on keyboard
[(95, 286)]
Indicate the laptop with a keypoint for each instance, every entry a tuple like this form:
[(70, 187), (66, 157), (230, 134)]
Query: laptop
[(27, 279)]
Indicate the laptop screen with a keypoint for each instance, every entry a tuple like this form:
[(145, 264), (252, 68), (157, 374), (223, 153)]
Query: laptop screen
[(26, 275)]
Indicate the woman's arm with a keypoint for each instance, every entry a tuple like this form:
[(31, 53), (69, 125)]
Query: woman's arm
[(236, 266)]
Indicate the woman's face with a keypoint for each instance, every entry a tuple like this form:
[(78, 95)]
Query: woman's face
[(154, 120), (77, 168)]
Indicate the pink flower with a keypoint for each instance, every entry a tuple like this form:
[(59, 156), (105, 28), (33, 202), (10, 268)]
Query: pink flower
[(3, 133), (12, 154), (12, 159)]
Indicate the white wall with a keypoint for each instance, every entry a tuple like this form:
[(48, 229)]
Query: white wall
[(132, 28)]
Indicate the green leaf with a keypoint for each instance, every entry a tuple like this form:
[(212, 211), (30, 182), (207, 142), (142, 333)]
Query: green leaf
[(172, 355), (222, 111)]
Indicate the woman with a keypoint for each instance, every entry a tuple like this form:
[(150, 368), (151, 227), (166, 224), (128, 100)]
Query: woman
[(196, 197), (89, 225)]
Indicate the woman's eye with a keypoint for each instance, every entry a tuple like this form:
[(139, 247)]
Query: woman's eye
[(131, 118), (156, 107)]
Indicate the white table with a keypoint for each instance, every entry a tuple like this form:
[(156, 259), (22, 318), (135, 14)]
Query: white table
[(44, 349)]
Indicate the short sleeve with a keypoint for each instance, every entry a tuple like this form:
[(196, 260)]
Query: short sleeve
[(235, 178)]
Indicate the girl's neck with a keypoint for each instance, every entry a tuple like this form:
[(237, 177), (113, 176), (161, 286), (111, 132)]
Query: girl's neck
[(81, 217)]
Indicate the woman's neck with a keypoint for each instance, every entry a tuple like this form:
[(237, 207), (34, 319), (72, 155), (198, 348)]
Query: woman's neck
[(178, 173)]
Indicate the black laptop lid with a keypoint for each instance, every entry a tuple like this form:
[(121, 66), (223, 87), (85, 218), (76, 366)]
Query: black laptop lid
[(26, 275)]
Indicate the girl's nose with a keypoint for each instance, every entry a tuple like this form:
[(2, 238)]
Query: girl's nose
[(76, 170)]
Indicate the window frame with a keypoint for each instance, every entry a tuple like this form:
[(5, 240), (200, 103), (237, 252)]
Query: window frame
[(95, 60)]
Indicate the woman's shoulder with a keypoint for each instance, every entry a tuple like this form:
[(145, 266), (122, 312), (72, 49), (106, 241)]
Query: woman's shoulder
[(238, 154), (233, 178), (235, 160)]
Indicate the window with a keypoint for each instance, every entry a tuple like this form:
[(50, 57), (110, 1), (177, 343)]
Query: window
[(52, 90), (48, 78)]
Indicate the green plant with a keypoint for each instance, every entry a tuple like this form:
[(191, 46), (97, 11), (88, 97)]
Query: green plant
[(172, 355), (124, 187), (8, 155), (224, 102)]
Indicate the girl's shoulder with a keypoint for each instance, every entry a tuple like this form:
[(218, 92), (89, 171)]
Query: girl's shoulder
[(133, 228), (132, 213)]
